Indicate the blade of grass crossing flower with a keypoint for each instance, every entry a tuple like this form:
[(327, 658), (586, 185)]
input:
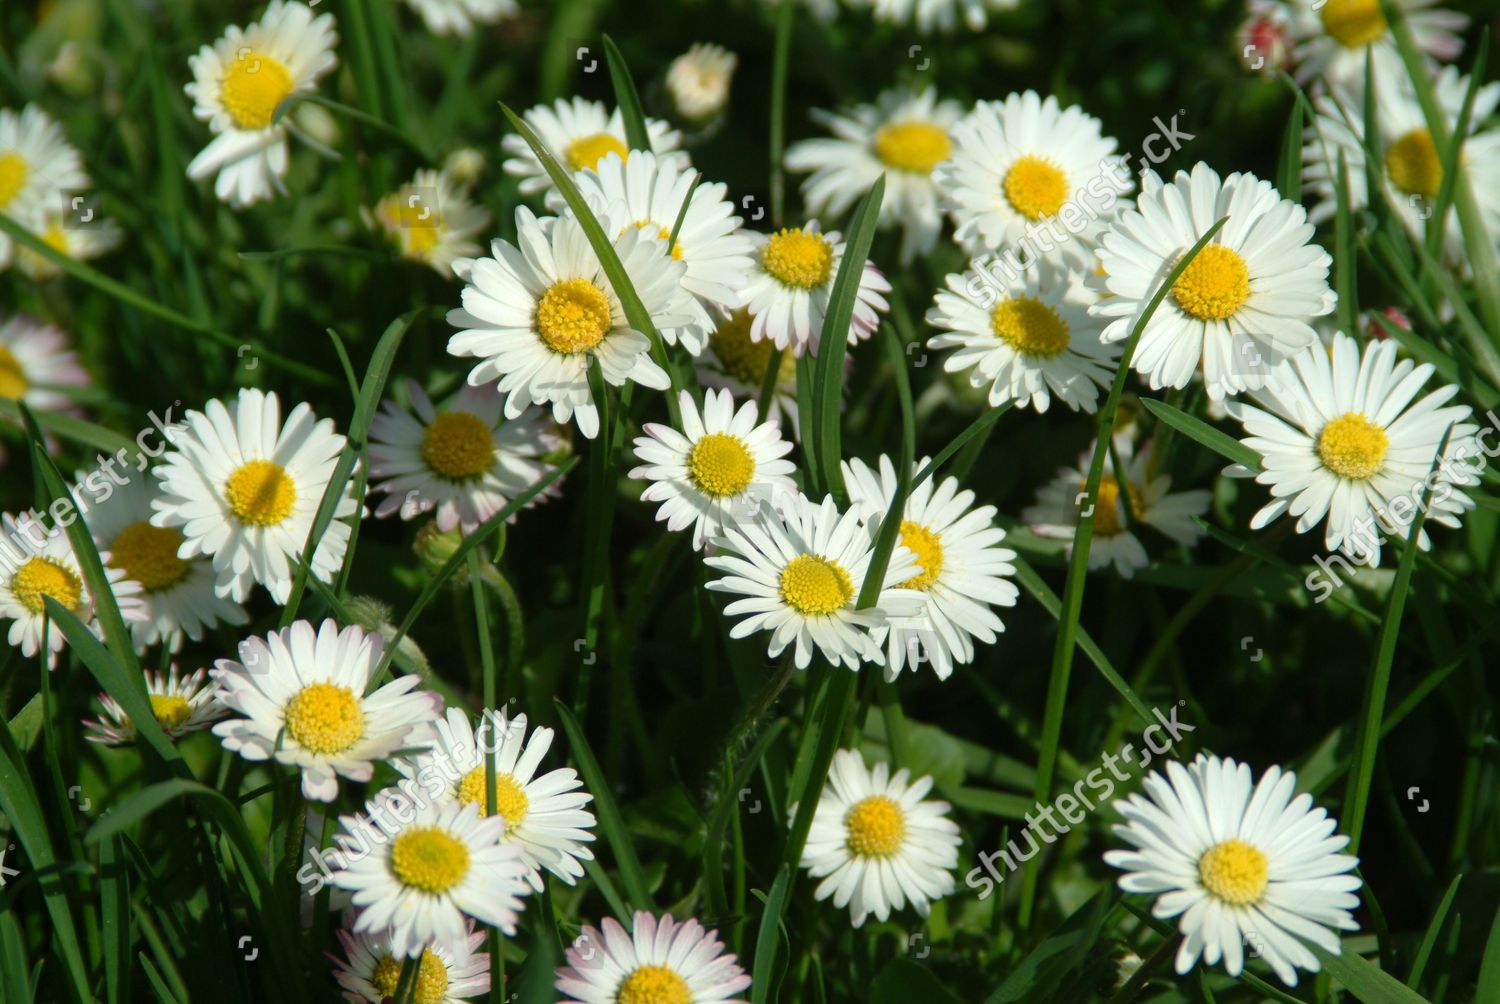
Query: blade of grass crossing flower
[(611, 822), (1344, 259), (986, 419), (1073, 589), (1204, 434), (627, 98), (812, 472), (1366, 981), (767, 937), (768, 383), (780, 59), (1289, 167), (1438, 223)]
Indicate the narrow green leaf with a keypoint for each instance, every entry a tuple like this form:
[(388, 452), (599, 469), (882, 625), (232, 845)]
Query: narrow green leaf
[(1344, 259), (1060, 953), (627, 98), (767, 937), (68, 427), (713, 844), (780, 59), (1289, 168), (158, 987), (1365, 980), (1204, 434), (114, 920), (986, 418), (1489, 967), (1434, 931)]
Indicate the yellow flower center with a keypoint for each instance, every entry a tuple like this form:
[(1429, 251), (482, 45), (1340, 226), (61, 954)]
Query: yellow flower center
[(510, 800), (876, 827), (1215, 284), (260, 493), (797, 258), (928, 547), (427, 858), (1414, 165), (815, 586), (912, 146), (325, 718), (1234, 872), (746, 359), (432, 978), (13, 382), (588, 151), (1353, 23), (43, 577), (653, 985), (573, 316), (1035, 187), (148, 554), (254, 84), (1353, 447), (663, 233), (458, 446), (13, 172), (720, 465), (1030, 326), (1107, 508), (170, 710)]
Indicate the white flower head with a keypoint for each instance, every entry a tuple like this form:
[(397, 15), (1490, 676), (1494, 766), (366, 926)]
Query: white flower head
[(658, 960), (446, 974), (792, 282), (458, 17), (580, 133), (698, 81), (179, 704), (1331, 37), (431, 220), (39, 168), (736, 362)]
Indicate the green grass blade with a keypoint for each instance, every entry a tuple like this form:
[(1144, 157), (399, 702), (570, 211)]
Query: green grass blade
[(1434, 931), (780, 59), (713, 844), (1289, 168), (1344, 259), (1365, 980), (1204, 434), (77, 430), (986, 418), (114, 918), (767, 938), (627, 97)]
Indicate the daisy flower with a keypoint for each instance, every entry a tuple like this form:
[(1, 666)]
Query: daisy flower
[(239, 81), (68, 237), (799, 570), (1329, 38), (1152, 503), (446, 974), (31, 572), (1245, 301), (179, 705), (936, 15), (1239, 864), (38, 168), (737, 363), (659, 960), (544, 812), (465, 460), (1342, 435), (244, 487), (539, 310), (38, 366), (698, 81), (961, 570), (458, 17), (303, 695), (648, 193), (1411, 167), (178, 595), (720, 466), (1263, 38), (579, 133), (875, 842), (1016, 163), (791, 283), (418, 868), (431, 220), (1026, 337), (904, 135)]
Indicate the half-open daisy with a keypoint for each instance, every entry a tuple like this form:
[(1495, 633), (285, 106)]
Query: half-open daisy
[(737, 363), (1342, 435), (458, 17), (238, 83), (38, 168), (962, 572), (876, 844), (800, 567), (464, 460), (541, 309), (579, 133), (63, 232), (179, 705), (303, 695), (698, 81), (417, 868), (431, 220), (245, 487), (446, 974), (1016, 163), (1330, 37), (1243, 304), (544, 813), (719, 466), (792, 281), (659, 961), (1240, 863), (38, 366), (905, 135), (1026, 336)]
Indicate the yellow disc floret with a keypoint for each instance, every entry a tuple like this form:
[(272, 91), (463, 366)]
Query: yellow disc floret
[(573, 316), (720, 465), (1353, 23), (1353, 447), (13, 382), (1414, 166), (746, 359), (1035, 187), (927, 545), (40, 578), (1030, 326), (254, 84), (1234, 872), (432, 979), (261, 493), (1215, 284), (13, 172), (912, 146), (148, 554), (510, 799), (815, 586), (1107, 508), (325, 718), (429, 859), (458, 446), (653, 985), (170, 710), (588, 151), (876, 827), (798, 258)]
